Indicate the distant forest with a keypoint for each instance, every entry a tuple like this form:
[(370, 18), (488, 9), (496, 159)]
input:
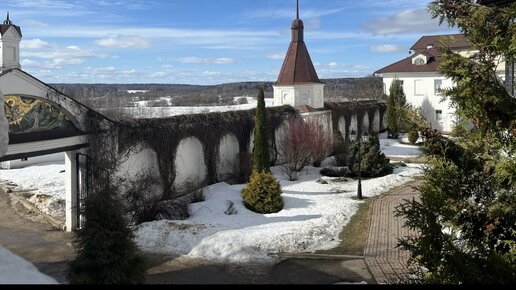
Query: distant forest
[(162, 95)]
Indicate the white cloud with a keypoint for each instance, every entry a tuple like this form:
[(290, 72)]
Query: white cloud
[(333, 64), (199, 60), (211, 73), (35, 43), (290, 13), (71, 51), (276, 56), (405, 21), (387, 48), (69, 61), (223, 60), (124, 42), (46, 4)]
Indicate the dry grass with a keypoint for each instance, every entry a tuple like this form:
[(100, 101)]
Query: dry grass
[(354, 235)]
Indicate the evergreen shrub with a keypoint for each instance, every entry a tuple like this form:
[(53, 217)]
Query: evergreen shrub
[(263, 193)]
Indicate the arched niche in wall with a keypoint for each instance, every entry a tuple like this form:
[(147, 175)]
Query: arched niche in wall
[(376, 121), (138, 161), (342, 126), (280, 134), (353, 125), (189, 163), (365, 123), (228, 164)]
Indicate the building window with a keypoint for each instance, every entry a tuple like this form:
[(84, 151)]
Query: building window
[(24, 159), (419, 61), (418, 87), (384, 88), (437, 86), (438, 115)]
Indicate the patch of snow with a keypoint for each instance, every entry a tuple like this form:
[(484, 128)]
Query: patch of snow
[(312, 218), (16, 270), (44, 182), (136, 91), (395, 148)]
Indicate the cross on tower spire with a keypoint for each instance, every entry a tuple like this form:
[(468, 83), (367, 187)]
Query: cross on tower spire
[(297, 9), (7, 20)]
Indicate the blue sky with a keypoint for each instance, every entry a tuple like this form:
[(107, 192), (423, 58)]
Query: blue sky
[(210, 41)]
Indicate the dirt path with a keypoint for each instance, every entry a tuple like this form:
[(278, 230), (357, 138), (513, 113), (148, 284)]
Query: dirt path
[(47, 248)]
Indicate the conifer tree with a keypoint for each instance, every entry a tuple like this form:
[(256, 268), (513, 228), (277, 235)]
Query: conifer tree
[(395, 104), (106, 253), (466, 215), (261, 157)]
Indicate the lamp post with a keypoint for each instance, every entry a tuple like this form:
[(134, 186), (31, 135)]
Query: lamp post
[(355, 137)]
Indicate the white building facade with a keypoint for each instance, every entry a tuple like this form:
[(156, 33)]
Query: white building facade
[(422, 82)]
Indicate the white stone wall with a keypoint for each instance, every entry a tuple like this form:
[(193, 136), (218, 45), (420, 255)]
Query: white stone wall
[(299, 95), (427, 99), (4, 128)]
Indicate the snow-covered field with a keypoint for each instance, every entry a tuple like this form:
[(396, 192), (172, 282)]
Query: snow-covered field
[(312, 218), (164, 112), (16, 270)]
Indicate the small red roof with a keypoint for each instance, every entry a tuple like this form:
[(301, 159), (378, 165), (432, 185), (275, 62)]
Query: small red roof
[(454, 41)]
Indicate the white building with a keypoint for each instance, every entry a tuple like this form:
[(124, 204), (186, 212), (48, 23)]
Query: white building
[(422, 82)]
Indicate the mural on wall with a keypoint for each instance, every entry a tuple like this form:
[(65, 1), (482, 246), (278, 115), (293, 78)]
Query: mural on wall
[(27, 115)]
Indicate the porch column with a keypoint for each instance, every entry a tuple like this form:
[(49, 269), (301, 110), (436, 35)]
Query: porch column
[(71, 190)]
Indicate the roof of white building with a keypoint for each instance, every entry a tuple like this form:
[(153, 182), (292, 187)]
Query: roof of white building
[(428, 46)]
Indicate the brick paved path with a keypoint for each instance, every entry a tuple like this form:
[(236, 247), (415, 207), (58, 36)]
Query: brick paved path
[(386, 262)]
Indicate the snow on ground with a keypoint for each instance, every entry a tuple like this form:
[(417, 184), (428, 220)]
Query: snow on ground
[(44, 182), (312, 218), (395, 148), (16, 270), (164, 112)]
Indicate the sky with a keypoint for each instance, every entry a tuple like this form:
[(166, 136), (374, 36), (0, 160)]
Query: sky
[(210, 41)]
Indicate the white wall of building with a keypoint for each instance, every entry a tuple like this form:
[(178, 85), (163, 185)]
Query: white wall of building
[(419, 90), (300, 94)]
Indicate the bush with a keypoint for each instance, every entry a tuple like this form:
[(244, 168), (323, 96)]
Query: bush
[(263, 193), (373, 161), (300, 144), (340, 149), (413, 136), (106, 252), (146, 202)]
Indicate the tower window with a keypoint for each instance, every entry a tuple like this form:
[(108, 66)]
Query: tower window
[(438, 115), (419, 61)]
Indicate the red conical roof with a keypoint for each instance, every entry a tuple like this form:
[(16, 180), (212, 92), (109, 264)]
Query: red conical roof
[(297, 67)]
